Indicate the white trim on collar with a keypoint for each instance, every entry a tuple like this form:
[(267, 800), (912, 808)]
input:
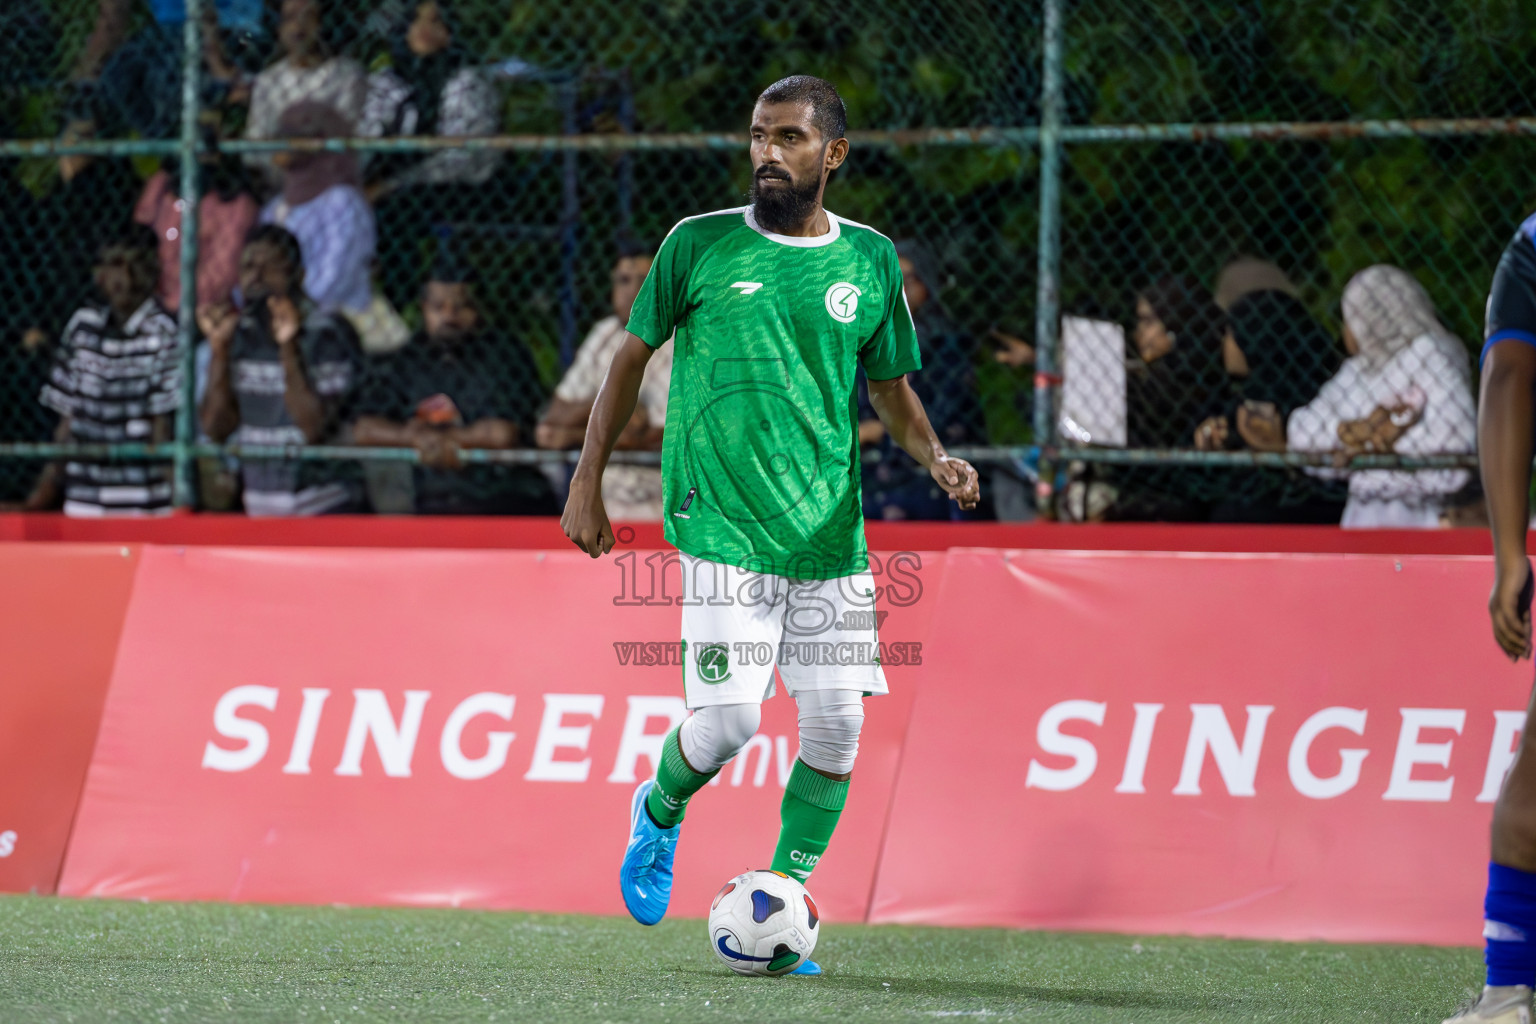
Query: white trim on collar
[(148, 308), (798, 241)]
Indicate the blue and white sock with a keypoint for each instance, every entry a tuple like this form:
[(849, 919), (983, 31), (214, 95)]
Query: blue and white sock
[(1509, 926)]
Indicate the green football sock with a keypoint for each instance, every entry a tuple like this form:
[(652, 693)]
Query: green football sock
[(812, 805), (675, 783)]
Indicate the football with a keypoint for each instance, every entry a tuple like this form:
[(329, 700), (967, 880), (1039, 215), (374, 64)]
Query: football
[(763, 923)]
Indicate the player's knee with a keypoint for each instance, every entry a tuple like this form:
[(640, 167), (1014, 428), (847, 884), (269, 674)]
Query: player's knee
[(829, 735), (713, 735)]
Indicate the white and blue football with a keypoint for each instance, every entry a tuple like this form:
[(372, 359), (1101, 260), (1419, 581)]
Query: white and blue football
[(763, 923)]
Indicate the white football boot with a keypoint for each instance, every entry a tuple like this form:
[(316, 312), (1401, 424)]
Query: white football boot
[(1507, 1004)]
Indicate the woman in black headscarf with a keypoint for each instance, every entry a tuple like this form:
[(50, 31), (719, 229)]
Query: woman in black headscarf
[(1180, 382), (1177, 385), (1278, 356)]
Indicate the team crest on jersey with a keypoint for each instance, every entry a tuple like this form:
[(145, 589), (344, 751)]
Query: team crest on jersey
[(714, 663), (843, 302)]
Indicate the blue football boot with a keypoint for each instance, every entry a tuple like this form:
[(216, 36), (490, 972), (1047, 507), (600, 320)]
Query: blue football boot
[(808, 969), (645, 877)]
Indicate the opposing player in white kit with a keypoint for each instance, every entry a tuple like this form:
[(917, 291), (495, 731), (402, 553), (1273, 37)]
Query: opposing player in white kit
[(774, 307)]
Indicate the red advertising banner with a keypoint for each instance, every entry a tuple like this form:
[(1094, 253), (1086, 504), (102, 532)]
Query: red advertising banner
[(1285, 746), (455, 728), (61, 609), (1279, 746)]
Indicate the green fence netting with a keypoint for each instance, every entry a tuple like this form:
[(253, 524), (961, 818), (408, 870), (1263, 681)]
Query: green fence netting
[(1138, 228)]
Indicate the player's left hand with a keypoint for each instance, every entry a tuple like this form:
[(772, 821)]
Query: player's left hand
[(959, 480), (1509, 606)]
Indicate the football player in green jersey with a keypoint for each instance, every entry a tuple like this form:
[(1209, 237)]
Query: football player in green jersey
[(771, 309)]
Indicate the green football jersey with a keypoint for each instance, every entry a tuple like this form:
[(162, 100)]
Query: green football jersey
[(760, 458)]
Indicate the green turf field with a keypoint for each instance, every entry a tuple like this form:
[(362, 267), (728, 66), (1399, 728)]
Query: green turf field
[(65, 960)]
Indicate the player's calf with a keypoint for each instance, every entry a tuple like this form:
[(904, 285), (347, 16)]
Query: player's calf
[(1509, 927), (693, 753), (812, 806), (830, 721)]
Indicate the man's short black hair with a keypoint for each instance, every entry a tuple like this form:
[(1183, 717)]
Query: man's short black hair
[(284, 241), (138, 239), (827, 111), (451, 267), (635, 248)]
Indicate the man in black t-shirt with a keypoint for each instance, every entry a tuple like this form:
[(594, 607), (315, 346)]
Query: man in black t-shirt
[(282, 373), (456, 386)]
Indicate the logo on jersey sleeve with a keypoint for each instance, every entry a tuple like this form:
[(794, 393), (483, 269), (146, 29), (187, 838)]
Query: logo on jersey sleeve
[(748, 287), (843, 302)]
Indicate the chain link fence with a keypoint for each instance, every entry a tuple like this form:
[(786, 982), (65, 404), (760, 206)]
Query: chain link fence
[(1135, 229), (1230, 171)]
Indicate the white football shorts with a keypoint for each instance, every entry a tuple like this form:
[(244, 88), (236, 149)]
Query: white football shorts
[(738, 626)]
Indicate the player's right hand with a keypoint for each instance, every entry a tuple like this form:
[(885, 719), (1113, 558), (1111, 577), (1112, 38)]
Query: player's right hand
[(585, 521), (1509, 606), (959, 480)]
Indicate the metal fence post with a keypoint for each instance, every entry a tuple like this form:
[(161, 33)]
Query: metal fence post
[(186, 412), (570, 225), (1048, 299)]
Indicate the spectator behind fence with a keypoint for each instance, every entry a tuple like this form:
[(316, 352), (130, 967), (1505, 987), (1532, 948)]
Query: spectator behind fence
[(455, 386), (1177, 385), (281, 372), (1246, 275), (430, 88), (896, 487), (1279, 356), (87, 205), (115, 378), (133, 83), (629, 492), (308, 71), (225, 215), (321, 205), (1406, 388), (1181, 381)]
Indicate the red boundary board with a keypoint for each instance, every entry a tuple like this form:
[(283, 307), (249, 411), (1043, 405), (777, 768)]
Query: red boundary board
[(61, 614)]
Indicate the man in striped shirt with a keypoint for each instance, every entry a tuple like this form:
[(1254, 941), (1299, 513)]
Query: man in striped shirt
[(115, 377)]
